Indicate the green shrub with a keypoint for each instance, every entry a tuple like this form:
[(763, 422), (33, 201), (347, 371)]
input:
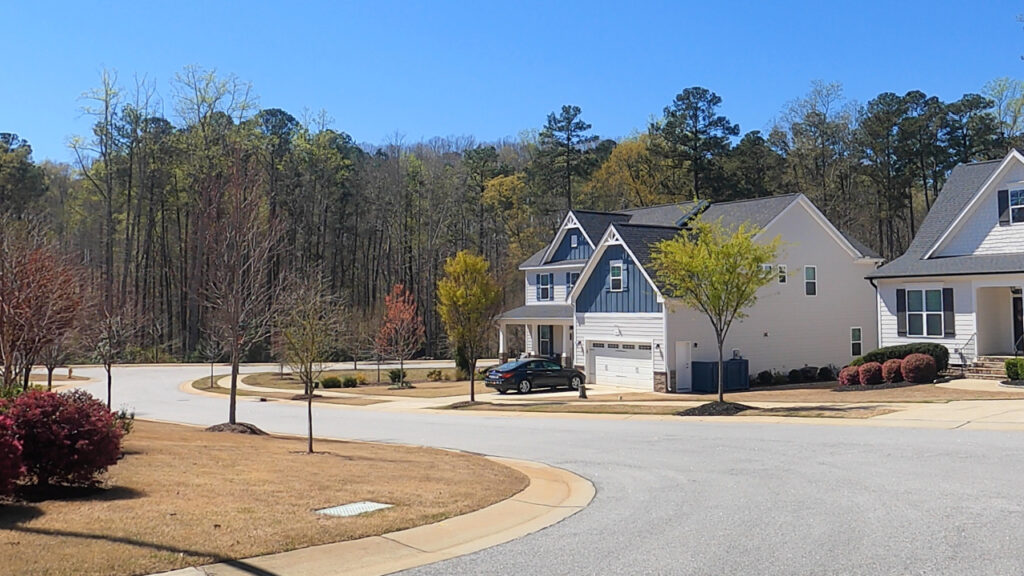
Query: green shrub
[(778, 378), (349, 382), (857, 362), (870, 373), (892, 370), (764, 378), (938, 352), (435, 375), (330, 382), (919, 369), (826, 374), (809, 373), (1015, 368), (795, 376), (396, 375), (125, 420)]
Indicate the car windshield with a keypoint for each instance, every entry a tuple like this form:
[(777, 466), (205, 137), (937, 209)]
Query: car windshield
[(509, 366)]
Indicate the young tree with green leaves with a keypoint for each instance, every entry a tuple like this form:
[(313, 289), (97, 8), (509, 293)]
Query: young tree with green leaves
[(717, 271), (468, 300)]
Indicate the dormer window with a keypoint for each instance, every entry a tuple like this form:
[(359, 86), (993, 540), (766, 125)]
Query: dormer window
[(1016, 206), (574, 240)]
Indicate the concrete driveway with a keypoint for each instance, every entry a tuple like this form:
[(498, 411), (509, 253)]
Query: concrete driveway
[(678, 497)]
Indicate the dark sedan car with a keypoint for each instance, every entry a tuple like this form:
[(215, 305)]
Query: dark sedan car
[(530, 373)]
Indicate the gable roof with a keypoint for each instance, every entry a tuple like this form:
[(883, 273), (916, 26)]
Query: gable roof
[(757, 212), (641, 238), (964, 182), (595, 223), (664, 214)]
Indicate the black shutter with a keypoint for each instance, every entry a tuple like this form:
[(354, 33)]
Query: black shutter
[(538, 286), (901, 312), (948, 317), (1004, 207)]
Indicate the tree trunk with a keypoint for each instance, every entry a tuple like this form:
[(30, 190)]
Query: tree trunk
[(472, 384), (211, 375), (25, 376), (309, 421), (234, 387), (721, 372), (49, 378)]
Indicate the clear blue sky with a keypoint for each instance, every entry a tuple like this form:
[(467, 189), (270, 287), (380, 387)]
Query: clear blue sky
[(492, 69)]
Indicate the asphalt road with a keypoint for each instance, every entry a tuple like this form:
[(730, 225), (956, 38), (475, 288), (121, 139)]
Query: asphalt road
[(700, 498)]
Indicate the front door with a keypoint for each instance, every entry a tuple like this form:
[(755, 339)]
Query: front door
[(544, 339), (1018, 322), (683, 370)]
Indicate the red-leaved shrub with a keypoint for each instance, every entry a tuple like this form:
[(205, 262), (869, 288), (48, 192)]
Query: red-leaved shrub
[(11, 469), (870, 373), (849, 376), (919, 369), (66, 438), (891, 371)]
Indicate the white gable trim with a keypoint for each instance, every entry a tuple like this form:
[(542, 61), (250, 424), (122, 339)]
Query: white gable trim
[(611, 238), (822, 221), (569, 222), (961, 218)]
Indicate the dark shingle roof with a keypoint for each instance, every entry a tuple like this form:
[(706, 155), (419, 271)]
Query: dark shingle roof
[(536, 260), (964, 181), (755, 211), (595, 223), (539, 312), (664, 214)]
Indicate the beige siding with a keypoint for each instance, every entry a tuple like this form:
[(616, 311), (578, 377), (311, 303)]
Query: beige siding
[(963, 308), (980, 232), (612, 327), (787, 329)]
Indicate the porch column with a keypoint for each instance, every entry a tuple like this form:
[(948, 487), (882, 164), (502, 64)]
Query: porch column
[(567, 348), (502, 353)]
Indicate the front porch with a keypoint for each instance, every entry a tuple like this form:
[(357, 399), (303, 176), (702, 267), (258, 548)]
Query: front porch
[(999, 321), (547, 331)]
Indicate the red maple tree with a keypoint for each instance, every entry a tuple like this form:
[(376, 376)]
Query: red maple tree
[(401, 333)]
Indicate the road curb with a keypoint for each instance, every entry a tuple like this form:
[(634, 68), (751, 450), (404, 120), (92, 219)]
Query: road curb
[(553, 495)]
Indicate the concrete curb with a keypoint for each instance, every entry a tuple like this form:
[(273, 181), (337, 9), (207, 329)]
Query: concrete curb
[(553, 495)]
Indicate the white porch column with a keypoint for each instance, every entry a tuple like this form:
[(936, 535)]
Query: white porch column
[(566, 347), (501, 339), (531, 339)]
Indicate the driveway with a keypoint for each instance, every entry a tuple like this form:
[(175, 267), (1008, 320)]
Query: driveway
[(678, 497)]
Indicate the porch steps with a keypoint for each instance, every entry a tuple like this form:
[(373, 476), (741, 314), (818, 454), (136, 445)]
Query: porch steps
[(987, 368)]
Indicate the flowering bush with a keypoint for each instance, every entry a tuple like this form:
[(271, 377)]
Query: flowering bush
[(66, 438), (849, 376), (11, 469), (891, 371), (870, 373), (919, 369)]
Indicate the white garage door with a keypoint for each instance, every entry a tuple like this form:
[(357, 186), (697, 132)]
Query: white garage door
[(622, 364)]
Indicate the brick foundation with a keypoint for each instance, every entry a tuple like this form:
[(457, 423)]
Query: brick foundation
[(660, 382)]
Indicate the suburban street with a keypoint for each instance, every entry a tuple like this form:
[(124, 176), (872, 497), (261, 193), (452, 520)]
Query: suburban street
[(677, 497)]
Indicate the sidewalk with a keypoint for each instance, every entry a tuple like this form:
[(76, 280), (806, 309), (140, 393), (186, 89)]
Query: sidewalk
[(552, 496)]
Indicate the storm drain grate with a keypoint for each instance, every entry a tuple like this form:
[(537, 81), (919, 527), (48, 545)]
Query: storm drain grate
[(353, 509)]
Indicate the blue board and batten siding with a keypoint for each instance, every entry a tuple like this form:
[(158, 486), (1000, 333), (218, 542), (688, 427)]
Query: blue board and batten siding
[(565, 251), (637, 296)]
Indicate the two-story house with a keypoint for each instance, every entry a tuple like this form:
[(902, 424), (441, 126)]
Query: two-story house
[(960, 281), (617, 326)]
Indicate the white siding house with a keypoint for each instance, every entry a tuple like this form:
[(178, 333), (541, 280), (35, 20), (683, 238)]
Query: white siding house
[(960, 282)]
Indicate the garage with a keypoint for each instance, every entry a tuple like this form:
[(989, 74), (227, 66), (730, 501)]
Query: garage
[(622, 364)]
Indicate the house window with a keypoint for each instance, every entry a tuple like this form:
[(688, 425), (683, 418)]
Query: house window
[(645, 346), (573, 241), (1016, 206), (766, 268), (811, 280), (782, 273), (613, 345), (544, 288), (924, 313), (571, 278), (616, 276), (629, 346), (855, 342), (597, 345)]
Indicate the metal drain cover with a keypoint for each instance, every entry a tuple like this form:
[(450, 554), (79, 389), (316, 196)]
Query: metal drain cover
[(353, 509)]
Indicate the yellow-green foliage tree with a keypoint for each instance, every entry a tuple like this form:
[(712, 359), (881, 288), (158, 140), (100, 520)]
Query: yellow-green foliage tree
[(468, 299), (718, 271)]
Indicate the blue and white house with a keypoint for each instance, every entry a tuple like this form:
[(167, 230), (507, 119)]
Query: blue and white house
[(960, 282), (592, 298)]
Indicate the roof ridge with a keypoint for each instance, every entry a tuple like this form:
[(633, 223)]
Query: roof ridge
[(639, 225), (665, 205), (742, 200), (598, 212)]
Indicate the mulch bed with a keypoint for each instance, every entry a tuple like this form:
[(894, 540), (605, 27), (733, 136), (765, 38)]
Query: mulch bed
[(882, 386), (1016, 383), (238, 428), (716, 409)]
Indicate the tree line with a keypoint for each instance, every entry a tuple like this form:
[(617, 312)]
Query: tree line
[(169, 216)]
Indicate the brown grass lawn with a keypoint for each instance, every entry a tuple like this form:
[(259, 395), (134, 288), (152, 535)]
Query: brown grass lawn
[(204, 385), (823, 392), (182, 496), (60, 376), (422, 389)]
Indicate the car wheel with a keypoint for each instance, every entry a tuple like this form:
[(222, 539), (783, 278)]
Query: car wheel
[(574, 383), (502, 391), (525, 386)]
